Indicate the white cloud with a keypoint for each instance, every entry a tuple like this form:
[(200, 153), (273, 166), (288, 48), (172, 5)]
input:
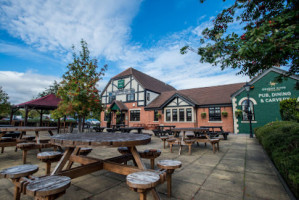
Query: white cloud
[(54, 25), (22, 87)]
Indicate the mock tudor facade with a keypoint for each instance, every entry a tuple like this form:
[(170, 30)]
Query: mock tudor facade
[(133, 97)]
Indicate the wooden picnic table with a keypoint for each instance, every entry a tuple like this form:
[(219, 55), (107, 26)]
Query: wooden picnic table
[(24, 129), (129, 129), (73, 143), (216, 132)]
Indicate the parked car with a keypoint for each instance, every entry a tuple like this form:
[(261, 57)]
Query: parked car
[(93, 122)]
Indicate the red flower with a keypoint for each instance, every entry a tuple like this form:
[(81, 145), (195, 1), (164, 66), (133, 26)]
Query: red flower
[(243, 37)]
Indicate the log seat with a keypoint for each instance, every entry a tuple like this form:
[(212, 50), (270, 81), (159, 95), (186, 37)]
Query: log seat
[(49, 157), (169, 166), (142, 182)]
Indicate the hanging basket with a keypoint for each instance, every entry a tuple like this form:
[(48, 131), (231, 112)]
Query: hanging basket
[(203, 115)]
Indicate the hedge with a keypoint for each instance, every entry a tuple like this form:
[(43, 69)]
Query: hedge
[(281, 142)]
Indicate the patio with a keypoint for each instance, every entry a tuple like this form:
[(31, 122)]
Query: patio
[(241, 170)]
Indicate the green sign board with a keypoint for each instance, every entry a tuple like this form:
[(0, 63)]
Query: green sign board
[(121, 84)]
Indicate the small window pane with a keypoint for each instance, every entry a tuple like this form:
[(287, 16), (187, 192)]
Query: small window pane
[(189, 114), (131, 97), (155, 115), (111, 98), (182, 115), (174, 115), (214, 114), (168, 116), (245, 110), (135, 115)]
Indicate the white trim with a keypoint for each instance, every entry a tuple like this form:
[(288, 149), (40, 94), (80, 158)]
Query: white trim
[(245, 98), (247, 122), (235, 119), (178, 114)]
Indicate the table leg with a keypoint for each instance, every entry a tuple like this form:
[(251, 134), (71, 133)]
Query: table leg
[(76, 152), (142, 166), (37, 137), (50, 132), (63, 160)]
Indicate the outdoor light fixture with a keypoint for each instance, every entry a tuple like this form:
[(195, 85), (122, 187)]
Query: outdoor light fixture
[(247, 87)]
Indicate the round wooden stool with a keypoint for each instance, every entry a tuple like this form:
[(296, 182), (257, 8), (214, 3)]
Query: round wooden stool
[(189, 143), (170, 166), (17, 172), (25, 147), (164, 138), (150, 154), (171, 141), (48, 187), (49, 157), (142, 182), (85, 151)]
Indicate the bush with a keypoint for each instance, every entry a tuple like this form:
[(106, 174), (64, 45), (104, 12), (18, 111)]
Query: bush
[(281, 142), (289, 110)]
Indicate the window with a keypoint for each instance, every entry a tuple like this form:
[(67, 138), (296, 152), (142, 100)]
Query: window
[(135, 115), (131, 97), (245, 109), (148, 96), (182, 115), (214, 114), (107, 116), (111, 98), (168, 115), (189, 114), (174, 115), (155, 116)]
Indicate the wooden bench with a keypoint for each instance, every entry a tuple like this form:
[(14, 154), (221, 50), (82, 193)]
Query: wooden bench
[(49, 157), (169, 166), (16, 173), (142, 182)]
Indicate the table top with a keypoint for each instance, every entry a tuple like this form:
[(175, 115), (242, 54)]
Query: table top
[(170, 126), (100, 139), (132, 127), (190, 129), (26, 128), (211, 127)]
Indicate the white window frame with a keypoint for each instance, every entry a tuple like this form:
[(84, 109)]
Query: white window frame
[(178, 117)]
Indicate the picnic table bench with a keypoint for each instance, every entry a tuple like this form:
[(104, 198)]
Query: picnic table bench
[(214, 131)]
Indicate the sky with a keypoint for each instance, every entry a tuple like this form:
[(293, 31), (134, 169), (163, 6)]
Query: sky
[(36, 39)]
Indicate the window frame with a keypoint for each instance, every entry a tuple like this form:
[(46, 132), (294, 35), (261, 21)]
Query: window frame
[(243, 108), (215, 117), (156, 119), (132, 112), (132, 95), (169, 110)]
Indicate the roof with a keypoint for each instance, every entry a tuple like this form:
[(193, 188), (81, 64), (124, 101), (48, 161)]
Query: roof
[(47, 102), (200, 96), (255, 79), (146, 81), (120, 105)]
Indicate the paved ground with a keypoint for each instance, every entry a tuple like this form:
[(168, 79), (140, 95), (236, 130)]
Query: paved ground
[(241, 170)]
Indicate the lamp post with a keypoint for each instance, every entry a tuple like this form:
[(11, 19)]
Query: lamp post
[(248, 110)]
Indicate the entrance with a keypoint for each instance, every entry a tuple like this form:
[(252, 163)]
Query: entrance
[(120, 119)]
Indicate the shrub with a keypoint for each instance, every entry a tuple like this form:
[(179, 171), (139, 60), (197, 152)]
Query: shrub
[(281, 142), (238, 113), (289, 110), (224, 114)]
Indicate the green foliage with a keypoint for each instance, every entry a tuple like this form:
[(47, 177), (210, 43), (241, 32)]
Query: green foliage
[(53, 89), (224, 114), (289, 109), (238, 113), (281, 141), (4, 104), (269, 38), (77, 90), (203, 115), (33, 114)]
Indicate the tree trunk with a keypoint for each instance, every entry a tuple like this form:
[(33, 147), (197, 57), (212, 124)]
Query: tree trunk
[(80, 124)]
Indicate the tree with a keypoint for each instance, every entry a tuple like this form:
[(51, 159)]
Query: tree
[(4, 104), (270, 37), (78, 92), (51, 90)]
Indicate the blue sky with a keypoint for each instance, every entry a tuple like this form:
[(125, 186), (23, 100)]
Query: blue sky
[(36, 39)]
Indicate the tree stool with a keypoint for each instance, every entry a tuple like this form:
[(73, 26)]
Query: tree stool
[(164, 138), (25, 147), (170, 166), (215, 142), (48, 187), (85, 151), (150, 154), (142, 182), (49, 157), (171, 141), (189, 143), (17, 172)]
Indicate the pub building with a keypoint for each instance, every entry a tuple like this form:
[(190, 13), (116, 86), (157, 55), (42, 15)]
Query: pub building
[(134, 98)]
